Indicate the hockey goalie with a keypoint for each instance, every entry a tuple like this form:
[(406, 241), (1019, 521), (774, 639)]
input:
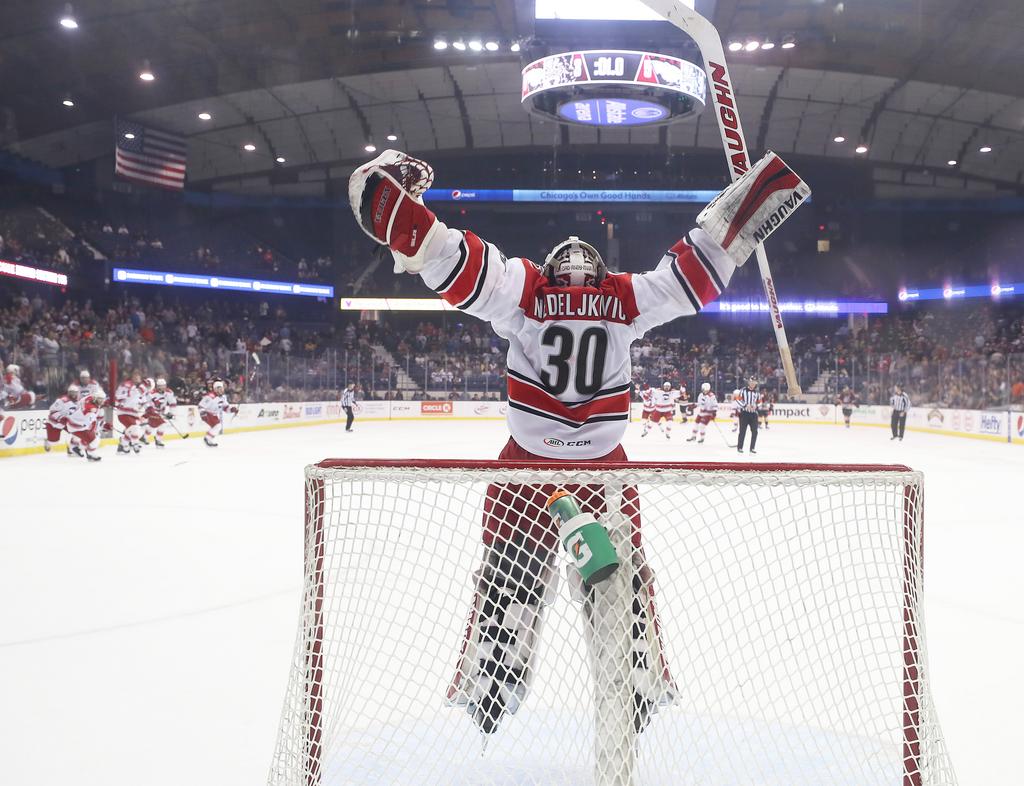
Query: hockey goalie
[(569, 323)]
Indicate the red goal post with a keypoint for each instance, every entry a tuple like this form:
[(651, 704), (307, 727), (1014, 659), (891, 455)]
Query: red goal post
[(847, 545)]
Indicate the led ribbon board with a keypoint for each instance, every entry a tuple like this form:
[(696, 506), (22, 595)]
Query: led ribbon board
[(811, 308), (225, 283), (613, 88), (38, 274), (694, 196), (962, 293)]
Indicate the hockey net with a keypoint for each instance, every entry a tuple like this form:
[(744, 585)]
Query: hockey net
[(764, 626)]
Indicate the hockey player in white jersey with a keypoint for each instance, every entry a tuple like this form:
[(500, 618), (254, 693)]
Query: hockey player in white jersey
[(569, 324), (212, 408), (84, 424), (57, 419), (13, 394), (665, 400), (707, 409), (128, 406), (160, 406)]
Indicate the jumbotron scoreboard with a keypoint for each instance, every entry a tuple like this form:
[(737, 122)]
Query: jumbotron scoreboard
[(613, 88)]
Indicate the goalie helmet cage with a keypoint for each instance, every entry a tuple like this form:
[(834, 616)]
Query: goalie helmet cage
[(784, 610)]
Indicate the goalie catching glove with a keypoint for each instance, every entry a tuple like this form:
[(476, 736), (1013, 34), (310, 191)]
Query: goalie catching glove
[(747, 212), (387, 198)]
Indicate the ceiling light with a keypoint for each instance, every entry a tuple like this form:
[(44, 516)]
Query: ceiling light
[(205, 116), (440, 44), (392, 137), (861, 149), (68, 102), (129, 135), (459, 45), (752, 46), (839, 139), (146, 74), (248, 147), (68, 21), (984, 149), (280, 159), (491, 46), (951, 162), (735, 46), (768, 45), (788, 42), (475, 45), (370, 148), (514, 47)]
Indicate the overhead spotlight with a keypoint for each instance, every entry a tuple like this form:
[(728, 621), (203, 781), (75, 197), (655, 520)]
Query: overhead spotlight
[(951, 162), (248, 147), (68, 21), (440, 43), (68, 102), (491, 46), (370, 148), (475, 45), (515, 47), (129, 135), (839, 139), (735, 46), (392, 137), (459, 45), (752, 46), (205, 116), (768, 44), (146, 74), (860, 149), (788, 42), (280, 159), (984, 149)]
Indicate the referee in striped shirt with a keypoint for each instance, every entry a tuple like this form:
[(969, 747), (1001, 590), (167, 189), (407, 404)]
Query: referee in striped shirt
[(900, 403), (748, 415)]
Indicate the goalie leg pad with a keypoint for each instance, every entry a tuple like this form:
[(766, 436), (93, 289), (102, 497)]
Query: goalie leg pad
[(494, 673), (651, 679)]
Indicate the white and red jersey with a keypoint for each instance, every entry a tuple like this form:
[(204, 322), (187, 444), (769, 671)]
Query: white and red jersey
[(665, 400), (568, 359), (90, 390), (161, 402), (60, 409), (14, 393), (647, 399), (129, 398), (707, 404), (213, 404), (84, 417)]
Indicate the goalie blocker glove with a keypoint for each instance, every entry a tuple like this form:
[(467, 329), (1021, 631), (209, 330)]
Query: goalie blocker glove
[(753, 207), (386, 197)]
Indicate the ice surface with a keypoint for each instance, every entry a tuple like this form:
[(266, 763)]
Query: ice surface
[(148, 603)]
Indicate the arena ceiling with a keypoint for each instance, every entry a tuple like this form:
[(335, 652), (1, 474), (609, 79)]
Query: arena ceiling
[(920, 82)]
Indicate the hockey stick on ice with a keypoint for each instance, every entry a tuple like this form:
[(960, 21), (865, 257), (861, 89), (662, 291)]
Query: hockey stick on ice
[(723, 99), (722, 435)]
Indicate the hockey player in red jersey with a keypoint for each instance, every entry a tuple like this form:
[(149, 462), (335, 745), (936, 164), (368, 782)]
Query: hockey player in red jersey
[(57, 419), (847, 400), (128, 407), (569, 324), (212, 407), (14, 395)]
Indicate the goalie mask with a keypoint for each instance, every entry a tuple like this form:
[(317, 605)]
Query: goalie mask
[(573, 263)]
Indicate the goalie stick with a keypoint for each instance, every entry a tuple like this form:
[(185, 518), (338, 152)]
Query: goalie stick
[(734, 144)]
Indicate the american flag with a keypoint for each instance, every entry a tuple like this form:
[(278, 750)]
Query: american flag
[(146, 155)]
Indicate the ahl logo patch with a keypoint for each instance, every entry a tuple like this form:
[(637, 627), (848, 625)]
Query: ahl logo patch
[(551, 442)]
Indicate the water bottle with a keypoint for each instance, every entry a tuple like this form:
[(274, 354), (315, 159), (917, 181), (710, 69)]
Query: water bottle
[(585, 540)]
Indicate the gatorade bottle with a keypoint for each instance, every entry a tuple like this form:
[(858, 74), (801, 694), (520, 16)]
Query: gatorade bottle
[(583, 537)]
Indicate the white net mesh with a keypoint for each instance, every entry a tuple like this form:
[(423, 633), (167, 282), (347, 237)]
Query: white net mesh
[(764, 627)]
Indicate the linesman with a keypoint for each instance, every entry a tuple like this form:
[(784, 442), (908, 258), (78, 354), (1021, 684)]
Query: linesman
[(900, 403), (747, 402)]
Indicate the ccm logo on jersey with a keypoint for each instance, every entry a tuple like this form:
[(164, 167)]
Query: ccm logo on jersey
[(552, 442)]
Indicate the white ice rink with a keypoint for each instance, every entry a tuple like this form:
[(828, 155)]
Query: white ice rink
[(148, 603)]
